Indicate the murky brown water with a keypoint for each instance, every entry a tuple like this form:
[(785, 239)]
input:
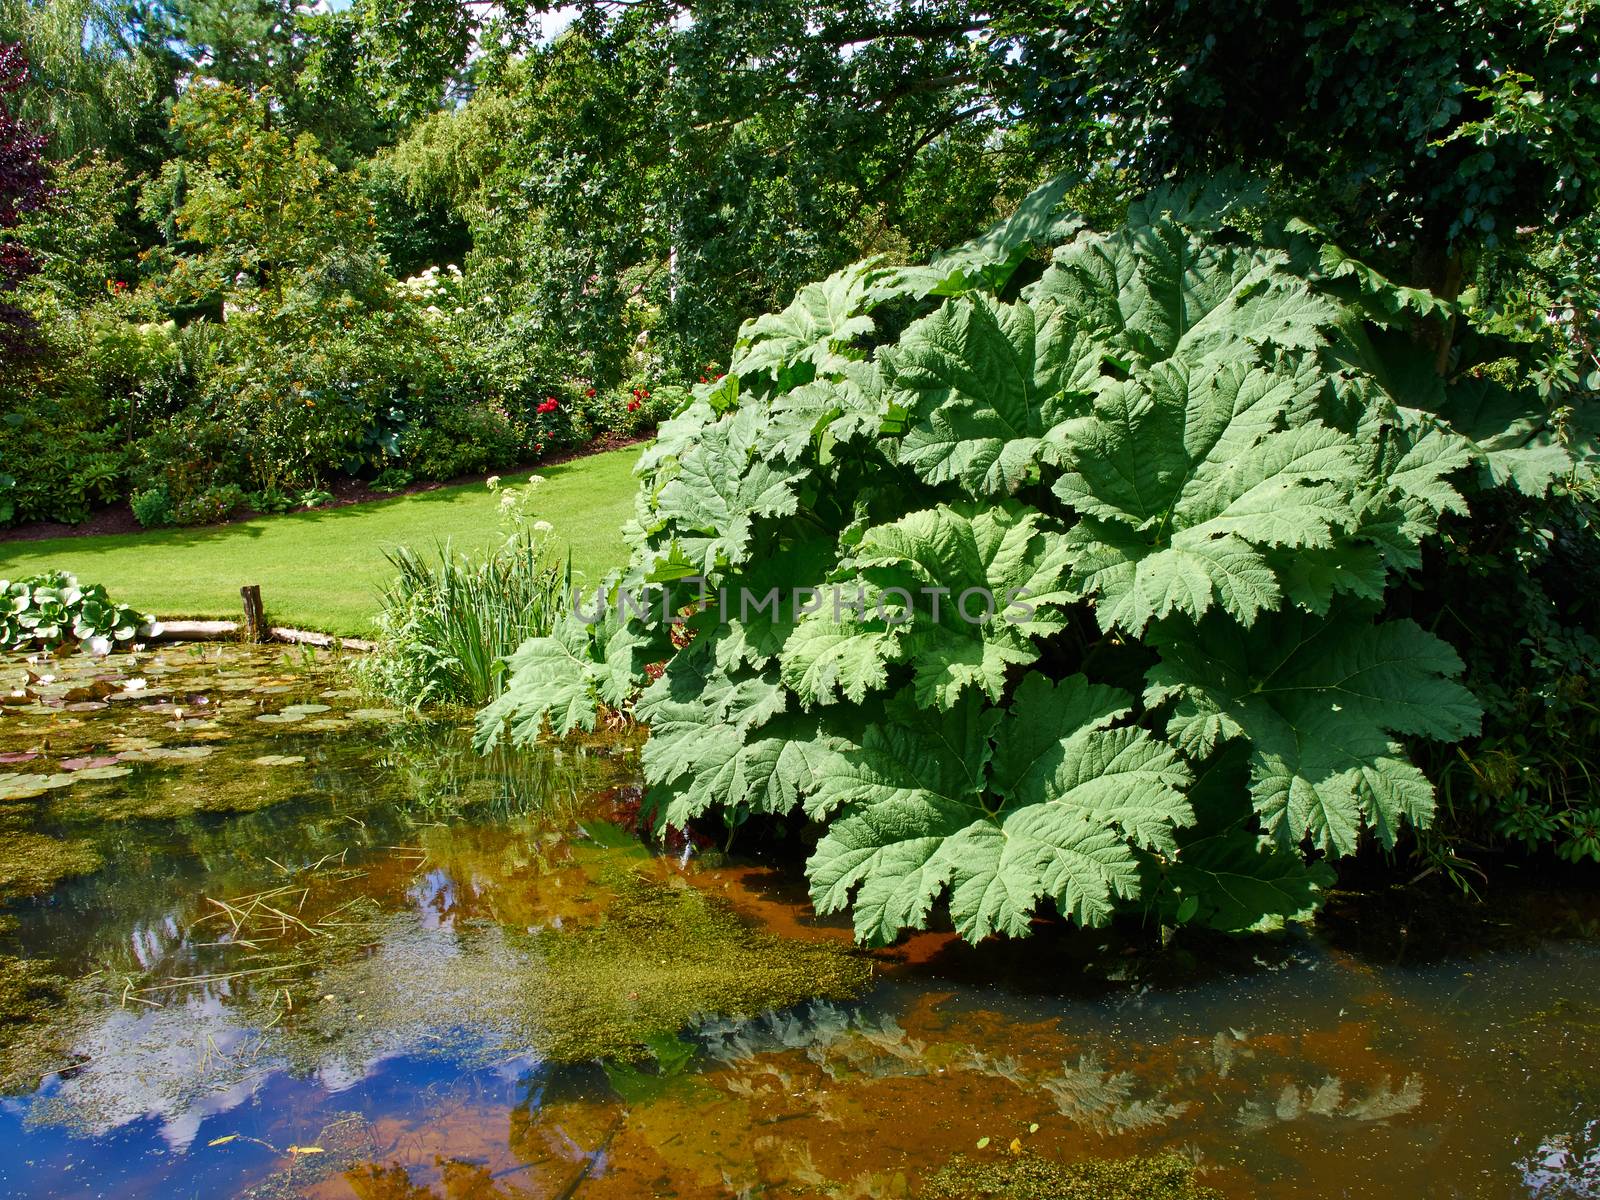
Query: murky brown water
[(331, 953)]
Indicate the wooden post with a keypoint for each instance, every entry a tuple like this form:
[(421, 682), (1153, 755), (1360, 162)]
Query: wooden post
[(255, 618)]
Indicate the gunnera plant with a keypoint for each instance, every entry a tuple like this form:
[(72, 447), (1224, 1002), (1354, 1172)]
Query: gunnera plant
[(1074, 580)]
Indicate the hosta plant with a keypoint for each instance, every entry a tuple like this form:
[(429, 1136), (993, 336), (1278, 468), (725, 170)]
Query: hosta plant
[(45, 611), (1061, 588)]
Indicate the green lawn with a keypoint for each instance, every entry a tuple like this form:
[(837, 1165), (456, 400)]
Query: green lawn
[(323, 570)]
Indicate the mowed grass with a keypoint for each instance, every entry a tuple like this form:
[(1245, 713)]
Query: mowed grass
[(324, 569)]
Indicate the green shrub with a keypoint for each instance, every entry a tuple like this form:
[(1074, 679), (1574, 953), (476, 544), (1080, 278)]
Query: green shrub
[(392, 479), (270, 501), (61, 440), (1190, 479), (152, 508), (189, 456), (43, 611), (1529, 565), (466, 439), (214, 504)]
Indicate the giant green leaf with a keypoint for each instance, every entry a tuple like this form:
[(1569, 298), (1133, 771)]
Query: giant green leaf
[(1057, 817), (989, 385), (1185, 478), (818, 327), (1320, 701), (721, 489), (1157, 291), (960, 593)]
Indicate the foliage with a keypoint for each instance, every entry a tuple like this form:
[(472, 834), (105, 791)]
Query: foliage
[(446, 626), (43, 611), (152, 508), (1411, 129), (24, 186), (1529, 566), (1102, 574), (609, 177)]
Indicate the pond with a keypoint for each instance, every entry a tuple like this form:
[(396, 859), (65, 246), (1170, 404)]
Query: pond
[(261, 936)]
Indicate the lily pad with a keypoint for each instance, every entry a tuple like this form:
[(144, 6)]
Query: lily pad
[(308, 709), (106, 772), (163, 753), (376, 714), (281, 718), (121, 744), (279, 760), (83, 764), (23, 787)]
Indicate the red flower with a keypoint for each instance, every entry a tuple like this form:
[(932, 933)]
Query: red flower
[(550, 405), (644, 392), (633, 405), (703, 379), (589, 393)]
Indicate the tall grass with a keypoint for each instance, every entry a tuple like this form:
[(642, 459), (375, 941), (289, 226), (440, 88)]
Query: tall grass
[(448, 621)]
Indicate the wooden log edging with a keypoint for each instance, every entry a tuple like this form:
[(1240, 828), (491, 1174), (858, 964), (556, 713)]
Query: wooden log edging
[(232, 631), (253, 629)]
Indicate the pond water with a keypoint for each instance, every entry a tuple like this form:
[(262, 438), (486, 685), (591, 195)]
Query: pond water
[(261, 936)]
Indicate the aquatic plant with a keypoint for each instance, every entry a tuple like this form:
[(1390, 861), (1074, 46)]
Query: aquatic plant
[(31, 863), (448, 623), (43, 611), (1082, 587), (1029, 1176)]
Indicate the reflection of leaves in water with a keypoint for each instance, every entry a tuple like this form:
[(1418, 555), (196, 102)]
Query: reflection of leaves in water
[(1104, 1100), (874, 1046), (800, 1168), (1225, 1049), (1005, 1067), (1323, 1100), (733, 1041), (1326, 1099), (1382, 1103)]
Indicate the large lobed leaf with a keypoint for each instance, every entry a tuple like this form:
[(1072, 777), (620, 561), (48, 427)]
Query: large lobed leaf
[(1002, 811), (959, 593), (1320, 701)]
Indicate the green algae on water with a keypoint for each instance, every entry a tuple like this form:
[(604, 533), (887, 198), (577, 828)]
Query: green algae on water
[(1030, 1176), (32, 999), (31, 863), (668, 954), (218, 783), (662, 957)]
